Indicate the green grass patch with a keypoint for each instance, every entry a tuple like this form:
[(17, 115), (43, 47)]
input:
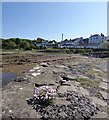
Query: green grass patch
[(87, 82), (97, 73)]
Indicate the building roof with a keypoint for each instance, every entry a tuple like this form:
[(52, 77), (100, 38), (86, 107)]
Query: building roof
[(95, 35)]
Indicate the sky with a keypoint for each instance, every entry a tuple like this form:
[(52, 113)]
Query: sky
[(50, 20)]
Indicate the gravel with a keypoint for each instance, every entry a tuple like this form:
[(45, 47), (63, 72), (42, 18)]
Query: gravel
[(80, 107)]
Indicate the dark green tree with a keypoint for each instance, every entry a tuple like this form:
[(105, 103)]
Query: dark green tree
[(39, 40), (24, 44), (12, 45)]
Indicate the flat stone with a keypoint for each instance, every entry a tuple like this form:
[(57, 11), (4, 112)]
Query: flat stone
[(61, 66), (65, 88), (83, 91), (33, 114), (71, 77), (75, 83), (61, 101), (82, 76), (35, 74), (105, 80), (100, 115), (44, 64), (36, 68), (104, 85), (96, 70), (20, 88), (104, 94), (63, 114), (98, 101), (32, 70)]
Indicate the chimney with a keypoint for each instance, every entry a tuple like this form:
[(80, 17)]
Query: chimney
[(62, 37)]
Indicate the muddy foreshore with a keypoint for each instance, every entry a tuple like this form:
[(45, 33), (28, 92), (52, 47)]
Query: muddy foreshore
[(50, 69)]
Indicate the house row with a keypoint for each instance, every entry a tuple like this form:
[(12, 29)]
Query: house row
[(46, 44), (94, 41)]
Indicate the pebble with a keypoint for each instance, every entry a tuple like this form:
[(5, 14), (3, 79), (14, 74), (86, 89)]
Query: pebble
[(80, 107)]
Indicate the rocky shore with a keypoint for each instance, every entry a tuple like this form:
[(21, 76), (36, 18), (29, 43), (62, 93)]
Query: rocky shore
[(80, 81)]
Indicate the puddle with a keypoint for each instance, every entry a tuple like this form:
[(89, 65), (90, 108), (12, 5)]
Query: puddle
[(5, 78)]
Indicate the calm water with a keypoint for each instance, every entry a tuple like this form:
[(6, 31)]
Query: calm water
[(5, 78)]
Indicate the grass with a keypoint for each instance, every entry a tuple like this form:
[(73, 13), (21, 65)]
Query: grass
[(97, 73), (88, 82), (18, 51)]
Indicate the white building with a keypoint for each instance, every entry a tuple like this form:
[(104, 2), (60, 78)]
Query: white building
[(97, 38), (46, 44), (94, 41), (70, 43)]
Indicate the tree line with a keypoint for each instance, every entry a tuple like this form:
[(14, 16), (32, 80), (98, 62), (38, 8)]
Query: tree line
[(27, 44), (18, 43)]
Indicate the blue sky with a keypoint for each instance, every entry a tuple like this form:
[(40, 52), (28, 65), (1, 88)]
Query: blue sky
[(50, 20)]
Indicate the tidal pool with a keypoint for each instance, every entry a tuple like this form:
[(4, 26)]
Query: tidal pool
[(5, 78)]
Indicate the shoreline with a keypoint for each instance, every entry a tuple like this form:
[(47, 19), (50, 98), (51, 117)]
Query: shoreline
[(51, 71)]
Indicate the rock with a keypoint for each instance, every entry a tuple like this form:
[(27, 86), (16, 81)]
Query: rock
[(75, 83), (44, 64), (71, 106), (61, 101), (99, 115), (96, 70), (82, 76), (70, 77), (63, 114), (104, 95), (39, 84), (105, 80), (21, 88), (20, 79), (35, 74), (69, 83), (98, 101), (32, 70), (36, 68), (65, 88), (61, 66), (83, 91), (104, 85)]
